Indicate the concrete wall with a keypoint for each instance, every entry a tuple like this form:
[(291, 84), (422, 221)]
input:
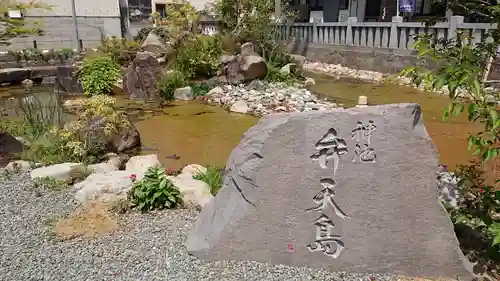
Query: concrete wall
[(376, 59), (96, 18)]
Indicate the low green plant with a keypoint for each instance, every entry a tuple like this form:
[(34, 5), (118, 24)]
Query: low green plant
[(199, 56), (98, 74), (50, 183), (170, 81), (200, 89), (212, 177), (154, 191), (275, 74)]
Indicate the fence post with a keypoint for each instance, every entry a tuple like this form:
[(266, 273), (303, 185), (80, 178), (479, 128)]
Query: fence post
[(455, 21), (394, 37), (315, 32), (349, 33)]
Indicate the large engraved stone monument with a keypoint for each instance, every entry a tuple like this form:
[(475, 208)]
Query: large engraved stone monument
[(350, 190)]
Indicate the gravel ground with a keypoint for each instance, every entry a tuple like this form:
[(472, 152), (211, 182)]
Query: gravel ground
[(144, 247)]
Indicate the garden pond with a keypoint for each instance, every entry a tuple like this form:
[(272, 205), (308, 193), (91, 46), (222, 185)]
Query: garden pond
[(193, 132)]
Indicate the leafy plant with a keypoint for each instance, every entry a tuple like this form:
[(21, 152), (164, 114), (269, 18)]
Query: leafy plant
[(253, 21), (274, 74), (199, 56), (179, 18), (170, 81), (461, 69), (98, 74), (120, 49), (212, 177), (154, 191), (200, 89)]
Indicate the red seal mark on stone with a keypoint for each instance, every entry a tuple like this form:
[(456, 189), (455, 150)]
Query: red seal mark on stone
[(289, 247)]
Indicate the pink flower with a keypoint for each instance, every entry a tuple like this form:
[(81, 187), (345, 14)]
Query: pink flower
[(481, 190), (133, 176)]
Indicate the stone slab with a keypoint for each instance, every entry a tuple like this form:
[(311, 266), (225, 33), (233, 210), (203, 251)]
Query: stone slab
[(373, 212)]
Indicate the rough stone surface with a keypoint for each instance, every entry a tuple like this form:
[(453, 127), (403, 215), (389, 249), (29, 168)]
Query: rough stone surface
[(298, 59), (195, 193), (387, 215), (119, 141), (252, 67), (108, 186), (9, 147), (193, 169), (185, 93), (246, 66), (18, 165), (239, 107), (66, 80), (263, 98), (154, 44), (288, 68), (141, 77), (139, 165), (63, 172), (14, 75)]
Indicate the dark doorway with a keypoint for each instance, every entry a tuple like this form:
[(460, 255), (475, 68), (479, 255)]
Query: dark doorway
[(160, 8)]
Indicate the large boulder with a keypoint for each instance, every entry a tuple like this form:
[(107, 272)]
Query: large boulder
[(184, 93), (252, 67), (14, 75), (64, 172), (141, 77), (123, 139), (66, 80), (349, 190), (107, 186), (154, 44), (246, 66), (195, 193), (140, 164), (9, 147)]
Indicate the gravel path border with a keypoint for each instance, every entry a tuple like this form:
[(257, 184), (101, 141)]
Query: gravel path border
[(144, 247)]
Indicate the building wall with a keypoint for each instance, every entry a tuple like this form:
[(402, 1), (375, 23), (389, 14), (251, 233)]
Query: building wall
[(95, 18)]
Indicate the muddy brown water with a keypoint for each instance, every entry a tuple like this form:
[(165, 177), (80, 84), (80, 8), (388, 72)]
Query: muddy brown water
[(203, 134)]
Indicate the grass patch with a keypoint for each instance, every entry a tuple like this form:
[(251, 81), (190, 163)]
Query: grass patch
[(212, 177)]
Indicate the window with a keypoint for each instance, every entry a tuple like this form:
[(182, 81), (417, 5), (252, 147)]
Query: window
[(423, 7), (139, 8), (343, 4), (160, 8)]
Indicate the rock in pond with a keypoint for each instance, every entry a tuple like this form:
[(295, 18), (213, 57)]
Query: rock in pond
[(185, 93), (141, 77), (347, 190), (239, 107)]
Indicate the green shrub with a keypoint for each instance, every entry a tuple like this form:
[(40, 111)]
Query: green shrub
[(274, 74), (199, 56), (120, 49), (98, 74), (212, 177), (200, 89), (154, 191), (170, 81)]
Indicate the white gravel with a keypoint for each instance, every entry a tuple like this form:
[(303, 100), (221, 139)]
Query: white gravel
[(145, 247)]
